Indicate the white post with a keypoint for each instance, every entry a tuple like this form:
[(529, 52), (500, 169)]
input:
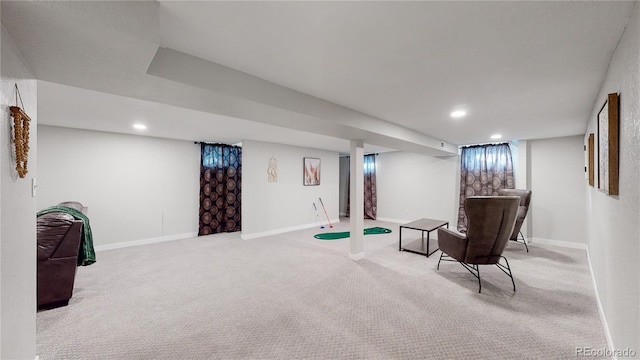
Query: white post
[(523, 179), (356, 204)]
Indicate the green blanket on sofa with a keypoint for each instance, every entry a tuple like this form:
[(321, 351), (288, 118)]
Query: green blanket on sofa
[(87, 254)]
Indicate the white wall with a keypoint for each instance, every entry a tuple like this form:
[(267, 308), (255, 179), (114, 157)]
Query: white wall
[(137, 188), (17, 214), (556, 168), (286, 204), (614, 230), (412, 186)]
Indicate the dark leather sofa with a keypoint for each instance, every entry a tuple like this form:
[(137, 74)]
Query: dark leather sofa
[(59, 236)]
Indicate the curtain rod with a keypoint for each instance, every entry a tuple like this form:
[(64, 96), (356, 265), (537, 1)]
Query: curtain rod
[(484, 144), (210, 143), (347, 155)]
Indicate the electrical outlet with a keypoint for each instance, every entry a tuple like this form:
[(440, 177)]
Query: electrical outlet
[(34, 185)]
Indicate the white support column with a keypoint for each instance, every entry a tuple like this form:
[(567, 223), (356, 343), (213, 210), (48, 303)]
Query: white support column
[(356, 205), (523, 179)]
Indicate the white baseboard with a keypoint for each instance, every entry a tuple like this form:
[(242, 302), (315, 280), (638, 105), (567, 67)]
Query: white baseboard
[(145, 241), (356, 257), (397, 221), (607, 333), (244, 236), (567, 244)]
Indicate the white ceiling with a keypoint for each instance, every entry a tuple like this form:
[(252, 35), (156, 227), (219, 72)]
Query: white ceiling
[(523, 69)]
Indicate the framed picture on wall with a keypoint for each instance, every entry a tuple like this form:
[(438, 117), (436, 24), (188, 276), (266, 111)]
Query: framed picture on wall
[(591, 159), (608, 127), (311, 175)]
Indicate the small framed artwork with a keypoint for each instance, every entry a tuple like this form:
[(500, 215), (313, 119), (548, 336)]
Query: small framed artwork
[(590, 164), (311, 174), (608, 127)]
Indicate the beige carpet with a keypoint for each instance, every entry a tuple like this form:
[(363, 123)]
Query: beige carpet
[(291, 296)]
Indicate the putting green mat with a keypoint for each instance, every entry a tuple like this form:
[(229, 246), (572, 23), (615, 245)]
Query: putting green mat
[(345, 234)]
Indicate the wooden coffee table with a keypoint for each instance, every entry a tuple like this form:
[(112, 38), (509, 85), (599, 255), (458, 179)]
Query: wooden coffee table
[(423, 225)]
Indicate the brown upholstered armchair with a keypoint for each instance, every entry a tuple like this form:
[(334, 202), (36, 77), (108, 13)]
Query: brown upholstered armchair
[(59, 237), (490, 223), (525, 199)]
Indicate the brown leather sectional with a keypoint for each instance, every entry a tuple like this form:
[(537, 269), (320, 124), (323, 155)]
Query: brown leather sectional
[(59, 236)]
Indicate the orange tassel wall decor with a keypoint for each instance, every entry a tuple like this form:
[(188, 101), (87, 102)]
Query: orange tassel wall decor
[(21, 139)]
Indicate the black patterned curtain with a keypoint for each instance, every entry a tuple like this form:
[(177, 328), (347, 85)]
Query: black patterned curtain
[(220, 188), (484, 169), (370, 191)]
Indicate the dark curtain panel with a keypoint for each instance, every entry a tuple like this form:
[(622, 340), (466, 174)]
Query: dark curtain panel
[(220, 188), (484, 169), (370, 192)]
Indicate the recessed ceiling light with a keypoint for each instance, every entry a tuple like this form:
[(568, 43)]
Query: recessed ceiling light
[(458, 114), (496, 136), (140, 126)]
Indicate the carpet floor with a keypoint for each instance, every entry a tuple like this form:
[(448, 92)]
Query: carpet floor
[(291, 296)]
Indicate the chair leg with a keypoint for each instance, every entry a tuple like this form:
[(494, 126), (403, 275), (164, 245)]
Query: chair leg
[(507, 270), (441, 254), (475, 271), (521, 239), (510, 273), (524, 241)]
